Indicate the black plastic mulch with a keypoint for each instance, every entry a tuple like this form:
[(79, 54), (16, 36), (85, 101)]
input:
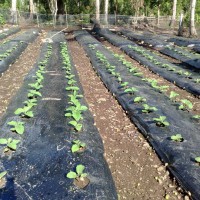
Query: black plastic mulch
[(37, 170), (179, 156), (9, 32)]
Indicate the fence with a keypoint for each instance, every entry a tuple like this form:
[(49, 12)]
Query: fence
[(44, 20)]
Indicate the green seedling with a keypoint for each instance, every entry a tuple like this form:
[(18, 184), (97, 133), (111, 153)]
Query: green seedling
[(36, 86), (180, 72), (75, 114), (185, 105), (18, 127), (30, 103), (72, 88), (11, 144), (77, 146), (161, 121), (139, 99), (197, 159), (70, 76), (197, 80), (131, 90), (165, 65), (124, 84), (148, 109), (24, 112), (139, 74), (78, 174), (173, 95), (71, 82), (187, 74), (177, 138), (196, 117), (34, 94), (2, 175), (76, 125), (133, 69), (75, 95)]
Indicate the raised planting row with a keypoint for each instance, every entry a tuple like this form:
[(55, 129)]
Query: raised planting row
[(60, 151), (11, 31), (184, 78), (179, 53), (171, 130), (12, 49)]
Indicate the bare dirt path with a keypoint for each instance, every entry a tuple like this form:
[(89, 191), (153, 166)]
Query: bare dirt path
[(137, 171), (12, 79)]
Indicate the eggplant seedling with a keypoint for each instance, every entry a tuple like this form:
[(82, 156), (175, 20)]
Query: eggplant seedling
[(72, 88), (196, 117), (77, 146), (131, 90), (173, 95), (78, 174), (177, 138), (2, 174), (185, 105), (139, 99), (161, 121), (18, 127), (34, 94), (24, 112), (148, 109), (197, 159), (36, 86), (11, 144), (124, 84), (76, 125)]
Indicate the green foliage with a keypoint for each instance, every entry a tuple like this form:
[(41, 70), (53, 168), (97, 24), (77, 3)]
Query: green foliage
[(173, 95), (2, 174), (24, 112), (148, 109), (11, 144), (139, 99), (186, 105), (77, 145), (78, 174), (18, 127), (161, 121), (2, 20), (177, 138), (131, 90), (197, 159)]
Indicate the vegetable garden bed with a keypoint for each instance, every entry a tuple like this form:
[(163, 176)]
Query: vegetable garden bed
[(183, 78), (157, 116), (43, 156), (9, 32), (12, 49)]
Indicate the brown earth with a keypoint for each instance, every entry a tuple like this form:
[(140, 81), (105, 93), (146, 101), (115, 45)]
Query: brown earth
[(136, 169)]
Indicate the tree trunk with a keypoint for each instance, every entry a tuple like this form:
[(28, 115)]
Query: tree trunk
[(158, 13), (192, 29), (31, 7), (54, 8), (172, 23), (14, 12), (98, 10), (106, 12), (180, 29)]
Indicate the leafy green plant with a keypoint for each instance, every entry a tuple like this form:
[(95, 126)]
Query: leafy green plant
[(197, 80), (78, 174), (18, 127), (2, 20), (185, 104), (34, 94), (197, 159), (2, 174), (77, 145), (173, 95), (35, 86), (196, 117), (72, 88), (131, 90), (139, 99), (161, 121), (30, 103), (177, 138), (124, 84), (76, 125), (148, 109), (24, 112), (11, 144)]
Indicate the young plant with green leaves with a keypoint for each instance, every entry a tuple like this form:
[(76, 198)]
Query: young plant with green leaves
[(24, 112), (34, 94), (2, 174), (78, 174), (161, 121), (130, 90), (197, 159), (77, 146), (139, 99), (18, 127), (196, 117), (148, 109), (10, 144), (124, 84), (173, 95), (185, 105), (177, 138)]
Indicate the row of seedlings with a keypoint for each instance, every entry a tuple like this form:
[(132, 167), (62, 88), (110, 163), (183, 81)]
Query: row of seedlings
[(133, 95), (183, 78), (18, 125), (6, 33), (74, 117)]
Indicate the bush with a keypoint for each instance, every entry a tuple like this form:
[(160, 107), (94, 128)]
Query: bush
[(2, 20)]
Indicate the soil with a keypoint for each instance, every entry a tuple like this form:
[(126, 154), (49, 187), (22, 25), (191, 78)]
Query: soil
[(11, 80), (82, 184), (137, 171)]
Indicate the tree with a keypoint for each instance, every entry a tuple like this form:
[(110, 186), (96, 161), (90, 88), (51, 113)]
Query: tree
[(172, 23), (98, 10), (106, 11), (192, 30), (54, 9), (14, 11)]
